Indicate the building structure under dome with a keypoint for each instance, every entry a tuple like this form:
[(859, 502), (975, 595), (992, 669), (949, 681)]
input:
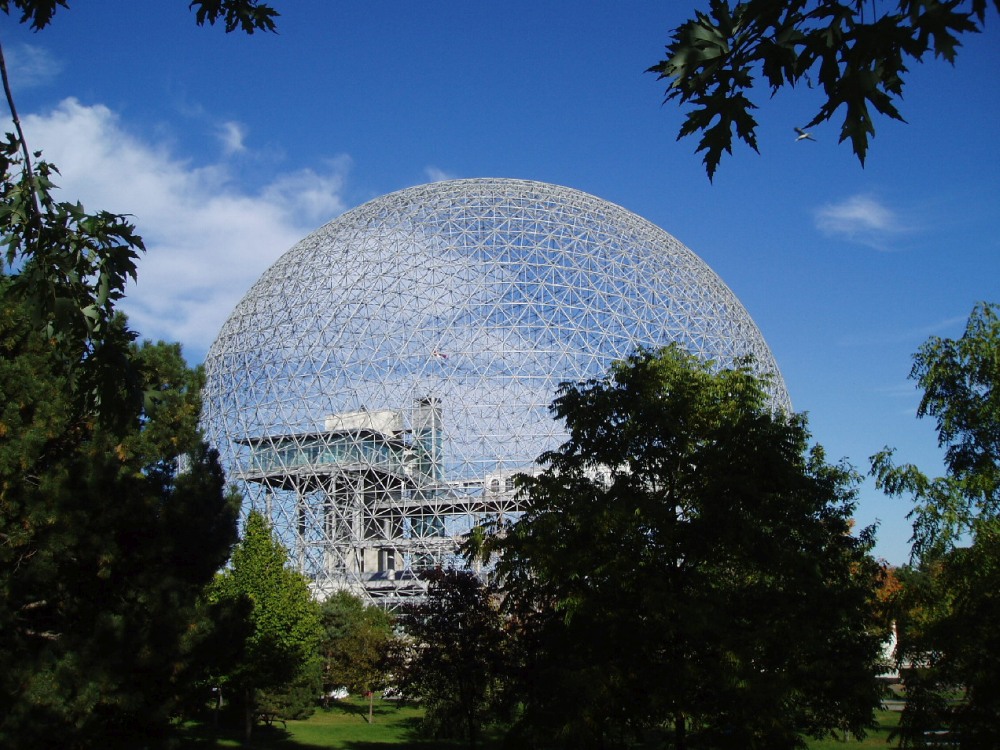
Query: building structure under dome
[(379, 387)]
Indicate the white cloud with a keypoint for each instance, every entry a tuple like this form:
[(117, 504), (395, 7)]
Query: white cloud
[(232, 134), (435, 174), (860, 218), (314, 195), (207, 240), (29, 66), (912, 336)]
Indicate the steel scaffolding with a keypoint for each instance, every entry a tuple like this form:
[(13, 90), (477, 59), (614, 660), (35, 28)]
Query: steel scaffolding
[(379, 387)]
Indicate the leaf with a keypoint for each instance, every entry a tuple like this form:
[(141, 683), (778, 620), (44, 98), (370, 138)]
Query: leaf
[(857, 56), (38, 13), (247, 15)]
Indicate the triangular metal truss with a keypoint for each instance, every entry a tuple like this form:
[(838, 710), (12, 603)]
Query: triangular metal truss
[(377, 389)]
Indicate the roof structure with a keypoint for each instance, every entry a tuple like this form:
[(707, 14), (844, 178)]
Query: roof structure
[(377, 389)]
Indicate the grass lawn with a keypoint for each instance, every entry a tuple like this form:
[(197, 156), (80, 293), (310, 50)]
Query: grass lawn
[(877, 738), (345, 727)]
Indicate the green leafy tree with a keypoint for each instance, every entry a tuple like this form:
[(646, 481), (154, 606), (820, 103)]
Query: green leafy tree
[(856, 52), (457, 655), (356, 646), (105, 537), (686, 562), (106, 544), (947, 618), (283, 618), (72, 266), (956, 539), (960, 379)]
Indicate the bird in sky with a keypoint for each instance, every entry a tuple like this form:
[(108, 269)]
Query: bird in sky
[(803, 135)]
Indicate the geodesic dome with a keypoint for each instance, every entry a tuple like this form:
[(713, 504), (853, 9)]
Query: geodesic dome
[(378, 388)]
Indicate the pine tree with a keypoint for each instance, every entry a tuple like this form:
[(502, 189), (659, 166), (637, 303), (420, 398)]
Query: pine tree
[(106, 545)]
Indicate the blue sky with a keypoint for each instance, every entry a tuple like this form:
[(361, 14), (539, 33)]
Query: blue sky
[(228, 149)]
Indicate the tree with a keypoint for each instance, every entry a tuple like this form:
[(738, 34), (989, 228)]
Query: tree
[(296, 699), (686, 561), (106, 544), (72, 265), (856, 51), (112, 511), (357, 641), (961, 384), (956, 538), (947, 618), (284, 618), (246, 15), (457, 656)]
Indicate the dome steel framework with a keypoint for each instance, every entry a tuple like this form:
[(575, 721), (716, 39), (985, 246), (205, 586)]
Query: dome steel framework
[(378, 388)]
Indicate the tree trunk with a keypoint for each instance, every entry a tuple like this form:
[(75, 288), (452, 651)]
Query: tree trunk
[(219, 703), (247, 714), (371, 706), (680, 732), (472, 729)]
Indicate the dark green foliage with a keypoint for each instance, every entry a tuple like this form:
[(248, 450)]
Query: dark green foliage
[(457, 655), (106, 542), (37, 13), (687, 562), (106, 546), (113, 516), (949, 644), (951, 614), (296, 699), (855, 51), (961, 383), (246, 15), (72, 270), (215, 644), (72, 266)]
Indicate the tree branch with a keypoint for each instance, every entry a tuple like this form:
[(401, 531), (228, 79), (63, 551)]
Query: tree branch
[(28, 171)]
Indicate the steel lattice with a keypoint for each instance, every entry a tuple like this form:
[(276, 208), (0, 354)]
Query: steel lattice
[(379, 386)]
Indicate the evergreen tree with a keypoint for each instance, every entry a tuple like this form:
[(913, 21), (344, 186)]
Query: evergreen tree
[(106, 545), (112, 511)]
